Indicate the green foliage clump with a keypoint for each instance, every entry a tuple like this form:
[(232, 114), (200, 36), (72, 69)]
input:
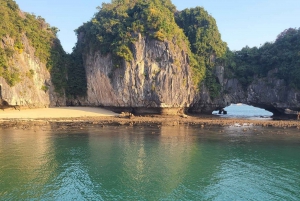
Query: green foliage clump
[(30, 73), (11, 75), (16, 25), (117, 25), (44, 88), (76, 83), (8, 71), (282, 55), (202, 32), (206, 44), (212, 84), (57, 64)]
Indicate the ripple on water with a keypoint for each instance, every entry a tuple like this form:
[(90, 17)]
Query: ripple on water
[(240, 180)]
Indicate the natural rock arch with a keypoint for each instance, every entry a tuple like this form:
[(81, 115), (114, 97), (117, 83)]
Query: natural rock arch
[(269, 93)]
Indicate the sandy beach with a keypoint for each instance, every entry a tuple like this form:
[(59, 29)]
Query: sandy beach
[(79, 117), (59, 112)]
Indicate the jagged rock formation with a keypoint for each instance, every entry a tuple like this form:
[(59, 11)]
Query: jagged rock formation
[(272, 94), (136, 55), (152, 72), (32, 60), (34, 88), (157, 80), (152, 83), (269, 93)]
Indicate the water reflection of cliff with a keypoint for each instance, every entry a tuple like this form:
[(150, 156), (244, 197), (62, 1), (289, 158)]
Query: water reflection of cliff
[(147, 162), (150, 163), (24, 162), (105, 163)]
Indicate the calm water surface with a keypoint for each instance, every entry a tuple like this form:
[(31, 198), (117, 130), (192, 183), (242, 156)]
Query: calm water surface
[(138, 163)]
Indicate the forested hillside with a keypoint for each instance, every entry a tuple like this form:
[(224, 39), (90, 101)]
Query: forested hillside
[(117, 25), (14, 26), (282, 55), (206, 43)]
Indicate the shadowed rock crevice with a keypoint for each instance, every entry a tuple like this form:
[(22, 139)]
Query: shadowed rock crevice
[(5, 105)]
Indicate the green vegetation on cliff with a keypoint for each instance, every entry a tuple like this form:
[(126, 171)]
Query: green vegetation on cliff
[(206, 43), (15, 25), (76, 83), (203, 34), (282, 56), (117, 25)]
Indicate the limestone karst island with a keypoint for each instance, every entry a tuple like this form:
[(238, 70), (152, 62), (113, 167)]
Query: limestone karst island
[(144, 57), (150, 105)]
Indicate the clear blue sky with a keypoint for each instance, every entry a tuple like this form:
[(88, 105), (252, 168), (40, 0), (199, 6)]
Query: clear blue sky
[(240, 22)]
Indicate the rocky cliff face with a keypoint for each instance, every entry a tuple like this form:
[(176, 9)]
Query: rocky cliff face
[(34, 88), (158, 80), (269, 93), (204, 104), (273, 94)]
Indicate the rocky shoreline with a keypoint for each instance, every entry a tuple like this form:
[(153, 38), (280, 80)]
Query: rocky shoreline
[(202, 122)]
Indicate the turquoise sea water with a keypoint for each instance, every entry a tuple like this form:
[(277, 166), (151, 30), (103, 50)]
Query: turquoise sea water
[(150, 163)]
